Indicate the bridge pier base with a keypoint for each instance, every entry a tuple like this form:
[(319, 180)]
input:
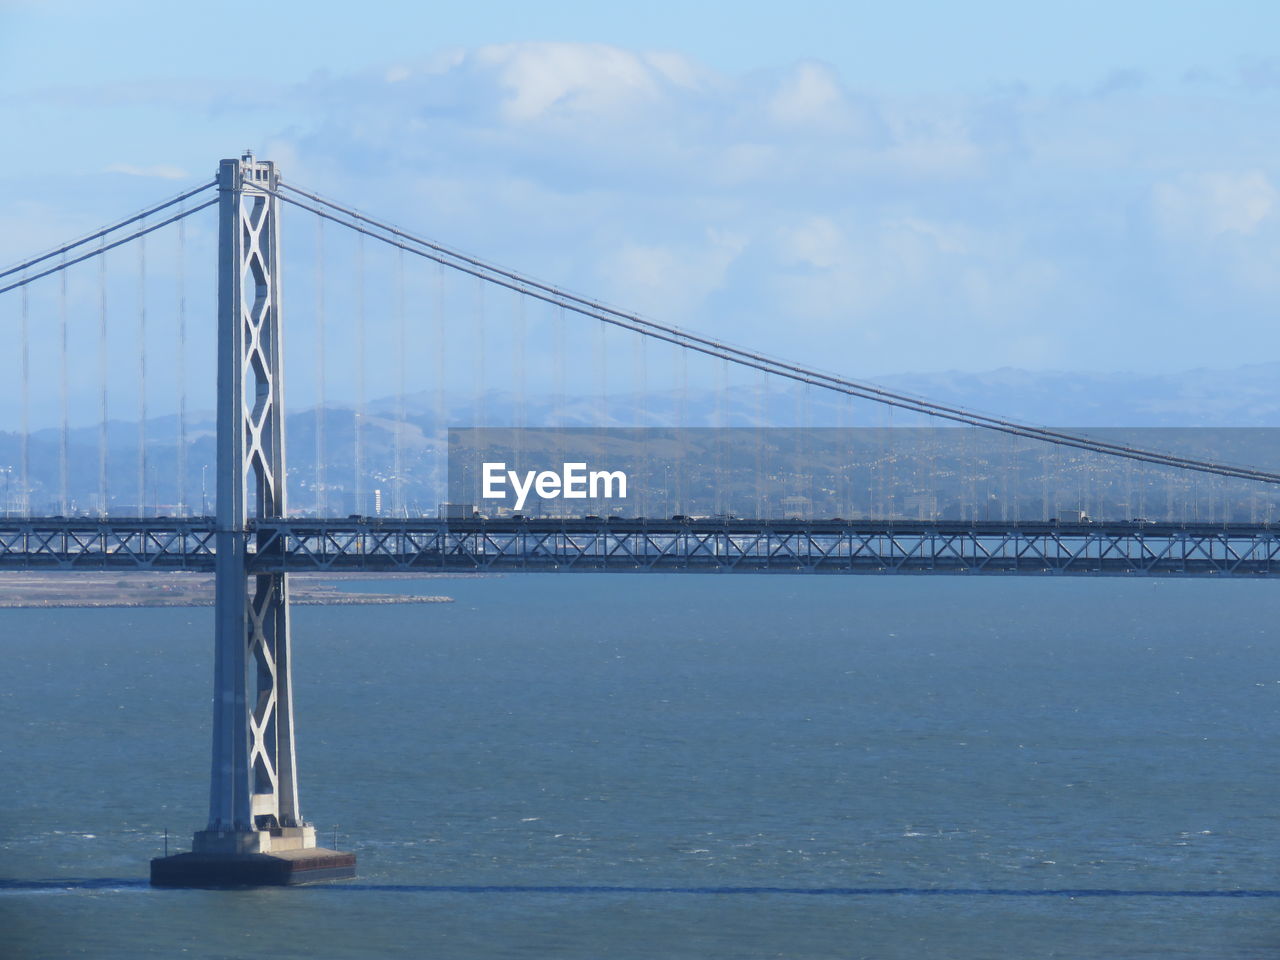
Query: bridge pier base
[(283, 856), (279, 869)]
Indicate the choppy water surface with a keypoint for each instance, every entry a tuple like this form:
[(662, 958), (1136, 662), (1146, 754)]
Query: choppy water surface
[(679, 766)]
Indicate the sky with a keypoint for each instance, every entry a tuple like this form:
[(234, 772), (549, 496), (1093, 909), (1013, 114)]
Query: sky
[(872, 188)]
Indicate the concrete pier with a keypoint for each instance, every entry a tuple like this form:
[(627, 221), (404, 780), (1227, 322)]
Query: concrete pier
[(280, 856), (284, 868)]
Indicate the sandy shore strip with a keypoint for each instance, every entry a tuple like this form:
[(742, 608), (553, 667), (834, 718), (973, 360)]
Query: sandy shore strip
[(43, 589)]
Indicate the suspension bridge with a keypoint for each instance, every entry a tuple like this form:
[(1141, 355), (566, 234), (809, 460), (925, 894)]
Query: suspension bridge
[(257, 533)]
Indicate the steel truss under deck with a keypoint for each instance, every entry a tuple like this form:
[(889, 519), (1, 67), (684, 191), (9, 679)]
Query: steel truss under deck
[(370, 545)]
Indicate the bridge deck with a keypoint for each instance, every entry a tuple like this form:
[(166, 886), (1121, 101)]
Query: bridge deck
[(372, 545)]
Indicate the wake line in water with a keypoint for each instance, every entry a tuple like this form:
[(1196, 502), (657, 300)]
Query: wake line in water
[(106, 883), (807, 891)]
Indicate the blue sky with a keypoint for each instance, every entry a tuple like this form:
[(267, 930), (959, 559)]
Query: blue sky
[(875, 188)]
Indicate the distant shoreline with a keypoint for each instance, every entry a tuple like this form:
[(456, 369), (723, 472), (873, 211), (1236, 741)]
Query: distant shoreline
[(343, 600), (93, 590)]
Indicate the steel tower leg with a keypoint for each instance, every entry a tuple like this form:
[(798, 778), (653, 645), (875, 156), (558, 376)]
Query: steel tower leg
[(253, 795)]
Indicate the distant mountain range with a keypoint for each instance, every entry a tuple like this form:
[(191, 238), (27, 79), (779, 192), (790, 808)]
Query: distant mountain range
[(1247, 396)]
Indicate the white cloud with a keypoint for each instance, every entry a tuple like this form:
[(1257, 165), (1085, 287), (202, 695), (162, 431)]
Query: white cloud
[(1219, 203), (921, 225), (818, 242), (809, 95), (581, 79), (1079, 227), (159, 171), (672, 281)]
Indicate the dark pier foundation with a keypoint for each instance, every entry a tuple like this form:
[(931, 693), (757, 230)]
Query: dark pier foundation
[(285, 868), (277, 857)]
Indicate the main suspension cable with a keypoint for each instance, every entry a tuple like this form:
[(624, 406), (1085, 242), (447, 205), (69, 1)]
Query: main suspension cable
[(67, 247), (99, 250), (395, 237)]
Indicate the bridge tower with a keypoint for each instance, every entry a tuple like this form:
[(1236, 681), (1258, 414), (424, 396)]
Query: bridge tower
[(255, 833)]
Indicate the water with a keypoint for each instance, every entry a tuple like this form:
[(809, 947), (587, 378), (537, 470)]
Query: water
[(679, 766)]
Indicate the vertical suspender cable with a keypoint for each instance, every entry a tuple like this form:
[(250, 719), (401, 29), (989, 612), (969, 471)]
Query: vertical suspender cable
[(558, 365), (642, 381), (439, 420), (480, 409), (806, 422), (766, 405), (1057, 473), (722, 386), (1046, 509), (24, 489), (845, 406), (103, 494), (1017, 479), (877, 475), (682, 367), (359, 418), (842, 447), (642, 418), (520, 421), (64, 444), (142, 376), (602, 411), (891, 488), (933, 467), (1086, 484), (322, 492), (561, 399), (398, 488), (797, 467), (601, 358), (1000, 448), (522, 417), (181, 367), (761, 383), (1076, 491)]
